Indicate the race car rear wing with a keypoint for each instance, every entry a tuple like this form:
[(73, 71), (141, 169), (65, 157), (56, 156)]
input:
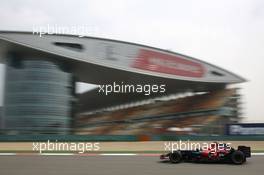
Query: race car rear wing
[(245, 149)]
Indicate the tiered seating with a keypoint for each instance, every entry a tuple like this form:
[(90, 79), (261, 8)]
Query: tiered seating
[(211, 100)]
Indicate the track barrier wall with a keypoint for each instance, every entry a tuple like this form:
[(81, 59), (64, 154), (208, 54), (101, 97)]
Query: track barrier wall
[(125, 138)]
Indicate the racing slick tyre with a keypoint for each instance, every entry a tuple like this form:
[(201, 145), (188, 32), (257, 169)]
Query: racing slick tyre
[(238, 157), (175, 157)]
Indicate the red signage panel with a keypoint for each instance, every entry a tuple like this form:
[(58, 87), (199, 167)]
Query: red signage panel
[(168, 64)]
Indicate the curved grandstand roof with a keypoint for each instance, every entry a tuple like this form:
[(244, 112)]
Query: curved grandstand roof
[(105, 54), (103, 61)]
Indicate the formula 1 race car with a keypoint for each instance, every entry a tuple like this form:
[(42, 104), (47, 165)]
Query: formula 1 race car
[(224, 155)]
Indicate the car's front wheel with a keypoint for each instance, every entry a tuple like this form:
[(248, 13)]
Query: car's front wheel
[(175, 157)]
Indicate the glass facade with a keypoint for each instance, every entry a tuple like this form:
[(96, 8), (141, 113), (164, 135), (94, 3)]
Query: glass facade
[(38, 97)]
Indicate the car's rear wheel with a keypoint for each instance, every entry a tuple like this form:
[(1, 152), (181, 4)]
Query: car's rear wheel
[(238, 157), (175, 157)]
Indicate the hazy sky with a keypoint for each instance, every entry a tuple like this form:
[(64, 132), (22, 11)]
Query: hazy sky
[(227, 33)]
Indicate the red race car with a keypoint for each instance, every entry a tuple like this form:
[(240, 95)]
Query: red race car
[(212, 154)]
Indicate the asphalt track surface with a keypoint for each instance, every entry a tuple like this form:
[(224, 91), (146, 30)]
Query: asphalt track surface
[(115, 165)]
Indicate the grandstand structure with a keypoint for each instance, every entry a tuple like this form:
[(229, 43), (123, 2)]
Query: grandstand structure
[(42, 72), (198, 114)]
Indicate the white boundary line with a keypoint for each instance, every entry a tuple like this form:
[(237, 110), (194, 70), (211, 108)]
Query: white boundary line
[(57, 154), (257, 154), (8, 154), (102, 154), (119, 154)]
